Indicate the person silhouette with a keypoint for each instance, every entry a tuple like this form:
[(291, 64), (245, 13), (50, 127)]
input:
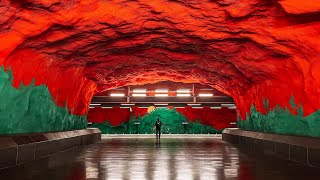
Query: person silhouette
[(158, 128)]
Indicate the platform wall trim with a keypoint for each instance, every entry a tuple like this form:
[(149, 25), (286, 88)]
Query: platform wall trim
[(300, 149), (21, 148)]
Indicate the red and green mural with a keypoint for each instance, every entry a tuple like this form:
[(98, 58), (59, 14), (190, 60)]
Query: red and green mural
[(29, 109), (41, 95), (121, 120), (250, 50), (289, 120)]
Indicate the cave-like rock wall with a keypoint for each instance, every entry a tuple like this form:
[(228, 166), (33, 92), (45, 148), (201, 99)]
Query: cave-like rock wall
[(252, 50), (198, 121)]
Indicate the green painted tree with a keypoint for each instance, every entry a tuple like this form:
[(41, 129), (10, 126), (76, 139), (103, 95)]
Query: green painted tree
[(171, 124)]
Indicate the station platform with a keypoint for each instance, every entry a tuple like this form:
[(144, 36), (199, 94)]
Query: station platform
[(176, 157)]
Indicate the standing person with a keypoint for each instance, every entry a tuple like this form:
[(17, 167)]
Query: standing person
[(158, 128)]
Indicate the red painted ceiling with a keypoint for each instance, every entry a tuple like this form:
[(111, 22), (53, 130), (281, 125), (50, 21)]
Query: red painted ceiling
[(248, 49)]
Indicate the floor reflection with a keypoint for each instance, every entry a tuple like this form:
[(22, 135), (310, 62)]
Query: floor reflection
[(138, 159)]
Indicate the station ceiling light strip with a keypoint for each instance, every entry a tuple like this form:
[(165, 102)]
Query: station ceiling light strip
[(161, 90), (161, 104), (215, 107), (183, 91), (193, 104), (227, 105), (161, 95), (232, 107), (183, 95), (95, 104), (127, 104), (139, 95), (205, 95), (106, 107), (139, 91), (117, 95)]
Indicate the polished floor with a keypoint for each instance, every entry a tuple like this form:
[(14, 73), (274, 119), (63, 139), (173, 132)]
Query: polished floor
[(184, 158)]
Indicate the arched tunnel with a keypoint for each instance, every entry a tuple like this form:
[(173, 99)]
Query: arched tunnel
[(56, 55)]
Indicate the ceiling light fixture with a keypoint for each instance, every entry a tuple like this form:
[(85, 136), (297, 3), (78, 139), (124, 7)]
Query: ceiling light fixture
[(205, 95), (139, 95), (183, 91), (215, 107), (127, 104), (161, 95), (116, 95), (139, 91), (183, 95), (161, 90), (193, 104), (227, 105)]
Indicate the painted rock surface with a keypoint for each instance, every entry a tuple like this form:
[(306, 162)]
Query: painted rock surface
[(252, 50)]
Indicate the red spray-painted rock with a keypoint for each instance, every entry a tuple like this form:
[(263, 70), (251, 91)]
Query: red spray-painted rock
[(249, 49)]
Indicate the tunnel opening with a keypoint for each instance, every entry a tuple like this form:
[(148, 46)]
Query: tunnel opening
[(52, 65), (248, 69), (183, 108)]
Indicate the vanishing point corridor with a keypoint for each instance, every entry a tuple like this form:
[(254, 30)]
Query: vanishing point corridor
[(173, 158)]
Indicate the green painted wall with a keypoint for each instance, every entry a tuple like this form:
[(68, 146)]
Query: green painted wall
[(282, 121), (171, 123), (30, 109)]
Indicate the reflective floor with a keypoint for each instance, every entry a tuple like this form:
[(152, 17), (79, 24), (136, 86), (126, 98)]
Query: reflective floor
[(172, 158)]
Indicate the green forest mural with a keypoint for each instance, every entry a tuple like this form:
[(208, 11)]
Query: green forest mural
[(173, 122)]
